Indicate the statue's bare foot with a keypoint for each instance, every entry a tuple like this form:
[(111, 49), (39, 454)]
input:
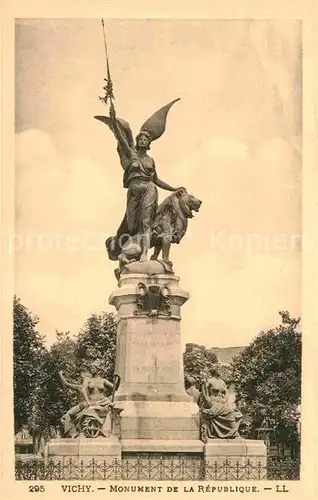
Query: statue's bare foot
[(143, 257)]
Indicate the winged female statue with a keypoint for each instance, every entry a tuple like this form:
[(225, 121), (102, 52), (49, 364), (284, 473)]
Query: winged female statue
[(140, 178)]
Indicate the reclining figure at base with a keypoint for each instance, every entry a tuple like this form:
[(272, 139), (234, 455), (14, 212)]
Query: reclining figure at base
[(96, 414), (219, 419)]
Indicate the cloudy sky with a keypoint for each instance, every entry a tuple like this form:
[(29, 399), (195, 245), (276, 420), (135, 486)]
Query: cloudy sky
[(234, 141)]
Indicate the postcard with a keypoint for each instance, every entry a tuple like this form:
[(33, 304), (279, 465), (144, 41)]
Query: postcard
[(159, 250)]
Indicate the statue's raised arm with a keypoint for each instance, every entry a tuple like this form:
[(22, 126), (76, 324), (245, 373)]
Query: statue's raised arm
[(69, 384), (123, 134)]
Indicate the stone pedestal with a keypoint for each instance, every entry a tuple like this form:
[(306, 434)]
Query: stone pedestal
[(164, 420), (81, 458), (240, 458), (149, 358)]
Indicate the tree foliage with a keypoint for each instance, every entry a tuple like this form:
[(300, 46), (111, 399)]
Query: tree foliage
[(74, 355), (97, 341), (29, 356), (56, 399), (198, 362), (267, 378)]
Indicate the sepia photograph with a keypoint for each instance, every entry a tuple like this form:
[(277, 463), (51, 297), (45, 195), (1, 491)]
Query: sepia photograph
[(147, 346)]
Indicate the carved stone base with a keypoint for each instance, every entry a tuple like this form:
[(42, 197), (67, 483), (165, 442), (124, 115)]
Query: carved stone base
[(243, 459), (149, 357), (159, 420), (153, 459), (149, 353), (169, 459), (81, 451), (149, 267)]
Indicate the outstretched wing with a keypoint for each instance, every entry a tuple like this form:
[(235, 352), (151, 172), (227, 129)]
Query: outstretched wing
[(156, 124), (124, 126)]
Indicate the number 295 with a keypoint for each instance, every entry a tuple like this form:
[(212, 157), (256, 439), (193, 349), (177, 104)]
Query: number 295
[(36, 488)]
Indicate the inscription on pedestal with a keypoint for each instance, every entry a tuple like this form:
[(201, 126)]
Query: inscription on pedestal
[(154, 361), (151, 368)]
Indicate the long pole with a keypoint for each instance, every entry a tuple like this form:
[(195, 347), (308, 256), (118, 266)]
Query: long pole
[(105, 46), (109, 91)]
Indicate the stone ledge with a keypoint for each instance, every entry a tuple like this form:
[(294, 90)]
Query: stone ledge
[(162, 397), (163, 434), (129, 278), (162, 445), (162, 409), (160, 424), (126, 295), (83, 447), (255, 447), (173, 317), (234, 448)]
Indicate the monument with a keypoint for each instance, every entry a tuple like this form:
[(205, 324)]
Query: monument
[(157, 413), (149, 410)]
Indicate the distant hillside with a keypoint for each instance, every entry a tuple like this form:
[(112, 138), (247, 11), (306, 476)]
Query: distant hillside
[(226, 354)]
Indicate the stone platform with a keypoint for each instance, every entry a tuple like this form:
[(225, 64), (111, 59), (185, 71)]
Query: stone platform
[(159, 420), (83, 450), (238, 458), (149, 356), (238, 449), (166, 459)]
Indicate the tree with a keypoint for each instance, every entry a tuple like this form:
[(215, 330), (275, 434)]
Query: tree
[(28, 357), (198, 362), (54, 398), (267, 378), (97, 341), (72, 355), (39, 396)]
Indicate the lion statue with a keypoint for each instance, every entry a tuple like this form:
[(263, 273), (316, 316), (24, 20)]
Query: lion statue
[(170, 225)]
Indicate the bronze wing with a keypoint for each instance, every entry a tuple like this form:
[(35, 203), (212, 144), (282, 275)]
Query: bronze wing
[(124, 126), (156, 124)]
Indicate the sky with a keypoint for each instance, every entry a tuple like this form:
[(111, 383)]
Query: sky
[(233, 140)]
